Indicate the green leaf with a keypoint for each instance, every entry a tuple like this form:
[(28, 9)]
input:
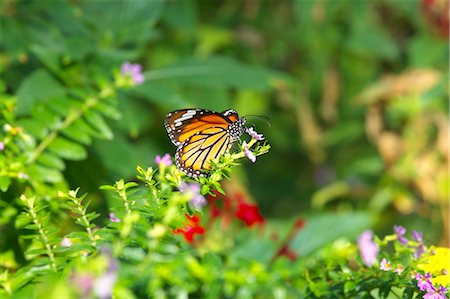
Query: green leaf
[(97, 121), (5, 181), (34, 127), (45, 174), (38, 86), (51, 160), (80, 131), (219, 72), (256, 249), (67, 149), (325, 228)]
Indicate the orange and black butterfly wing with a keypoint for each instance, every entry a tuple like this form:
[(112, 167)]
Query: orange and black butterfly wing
[(182, 124), (194, 155)]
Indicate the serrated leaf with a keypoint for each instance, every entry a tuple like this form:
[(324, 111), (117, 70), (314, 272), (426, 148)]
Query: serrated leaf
[(67, 149), (97, 121)]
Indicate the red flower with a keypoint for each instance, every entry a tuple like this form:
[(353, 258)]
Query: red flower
[(192, 228), (249, 214)]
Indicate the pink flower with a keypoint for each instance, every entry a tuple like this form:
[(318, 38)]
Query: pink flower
[(254, 134), (2, 146), (424, 282), (248, 153), (367, 248), (165, 161), (432, 293), (134, 70), (113, 218), (193, 190), (104, 285)]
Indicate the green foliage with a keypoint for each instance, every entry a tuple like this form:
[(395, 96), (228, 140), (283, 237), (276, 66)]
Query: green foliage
[(348, 87)]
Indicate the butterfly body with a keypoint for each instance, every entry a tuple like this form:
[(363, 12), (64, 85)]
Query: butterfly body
[(201, 136)]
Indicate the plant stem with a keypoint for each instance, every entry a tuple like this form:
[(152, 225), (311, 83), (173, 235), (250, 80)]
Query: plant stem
[(32, 212)]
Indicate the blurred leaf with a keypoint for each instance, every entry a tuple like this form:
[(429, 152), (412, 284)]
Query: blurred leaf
[(67, 149), (124, 23), (45, 174), (219, 71), (4, 183), (98, 122), (212, 39), (325, 228), (182, 15), (51, 160), (261, 250), (38, 86), (163, 94)]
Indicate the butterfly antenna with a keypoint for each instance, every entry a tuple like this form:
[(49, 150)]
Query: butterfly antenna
[(265, 119)]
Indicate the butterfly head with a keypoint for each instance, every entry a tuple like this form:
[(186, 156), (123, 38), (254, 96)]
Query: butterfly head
[(236, 128)]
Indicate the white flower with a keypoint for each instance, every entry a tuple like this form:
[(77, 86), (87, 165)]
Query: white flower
[(254, 134), (248, 152)]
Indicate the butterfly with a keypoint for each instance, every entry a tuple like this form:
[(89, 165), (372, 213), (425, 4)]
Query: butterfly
[(201, 136)]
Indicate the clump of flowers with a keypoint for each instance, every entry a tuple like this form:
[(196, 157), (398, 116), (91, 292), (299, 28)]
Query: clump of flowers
[(191, 229), (413, 250)]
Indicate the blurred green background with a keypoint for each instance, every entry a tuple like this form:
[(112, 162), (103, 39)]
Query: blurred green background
[(356, 93)]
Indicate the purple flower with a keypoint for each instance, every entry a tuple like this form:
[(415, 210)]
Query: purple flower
[(254, 134), (113, 218), (134, 70), (367, 248), (436, 294), (400, 231), (165, 161), (424, 282), (193, 190), (419, 250), (385, 265), (418, 236), (2, 146), (104, 284), (248, 153)]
